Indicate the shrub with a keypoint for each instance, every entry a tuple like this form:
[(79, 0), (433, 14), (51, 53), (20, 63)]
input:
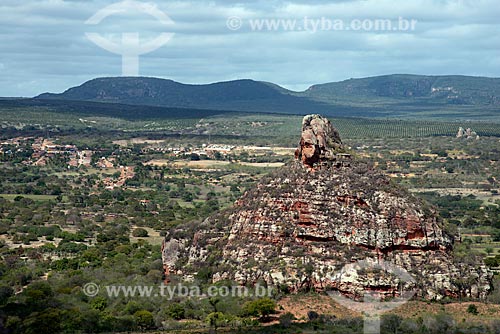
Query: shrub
[(144, 319), (132, 307), (286, 319), (312, 315), (491, 262), (391, 323), (99, 303), (140, 233), (71, 247), (472, 309), (176, 311), (440, 324)]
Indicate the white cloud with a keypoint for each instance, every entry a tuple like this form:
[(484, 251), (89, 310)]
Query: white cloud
[(44, 45)]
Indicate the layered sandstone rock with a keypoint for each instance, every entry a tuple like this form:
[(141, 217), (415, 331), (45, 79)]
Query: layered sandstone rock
[(301, 225), (319, 141)]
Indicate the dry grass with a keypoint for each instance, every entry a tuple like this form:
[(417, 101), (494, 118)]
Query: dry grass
[(194, 164), (263, 164), (153, 237), (322, 304)]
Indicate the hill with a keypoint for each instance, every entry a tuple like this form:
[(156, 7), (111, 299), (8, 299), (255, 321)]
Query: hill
[(402, 96), (455, 90), (239, 95)]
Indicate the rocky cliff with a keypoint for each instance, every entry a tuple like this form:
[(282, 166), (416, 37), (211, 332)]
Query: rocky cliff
[(302, 224)]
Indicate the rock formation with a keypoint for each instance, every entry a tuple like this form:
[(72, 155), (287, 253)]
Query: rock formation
[(467, 134), (319, 141), (303, 223)]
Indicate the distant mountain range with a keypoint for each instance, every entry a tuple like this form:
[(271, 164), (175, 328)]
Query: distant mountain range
[(389, 95), (239, 95)]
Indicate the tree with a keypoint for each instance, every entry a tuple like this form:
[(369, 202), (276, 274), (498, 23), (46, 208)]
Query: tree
[(187, 196), (140, 233), (262, 307), (47, 321), (71, 247), (491, 262), (144, 319), (5, 293), (215, 319)]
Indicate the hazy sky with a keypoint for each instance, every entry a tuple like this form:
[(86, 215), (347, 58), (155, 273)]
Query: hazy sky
[(43, 46)]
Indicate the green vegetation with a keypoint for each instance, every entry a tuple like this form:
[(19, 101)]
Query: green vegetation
[(96, 130), (472, 309), (261, 307), (140, 233), (401, 96), (63, 226)]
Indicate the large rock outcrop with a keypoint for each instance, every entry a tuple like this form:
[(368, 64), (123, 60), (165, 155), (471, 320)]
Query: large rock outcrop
[(319, 141), (303, 223)]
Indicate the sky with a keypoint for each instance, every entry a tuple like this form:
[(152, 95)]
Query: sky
[(45, 46)]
